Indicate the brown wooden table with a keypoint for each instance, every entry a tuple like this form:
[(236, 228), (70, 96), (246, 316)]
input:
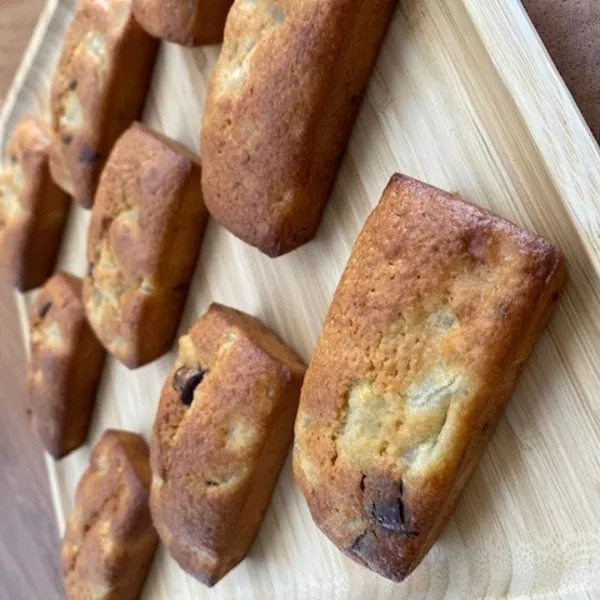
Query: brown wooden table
[(28, 535)]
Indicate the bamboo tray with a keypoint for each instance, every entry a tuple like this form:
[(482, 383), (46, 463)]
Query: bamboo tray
[(465, 97)]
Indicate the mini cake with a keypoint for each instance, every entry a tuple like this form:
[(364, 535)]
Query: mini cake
[(221, 433), (439, 307), (187, 22), (64, 367), (280, 106), (98, 90), (109, 540), (33, 209), (144, 237)]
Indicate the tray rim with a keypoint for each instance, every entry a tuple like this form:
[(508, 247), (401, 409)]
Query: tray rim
[(570, 114)]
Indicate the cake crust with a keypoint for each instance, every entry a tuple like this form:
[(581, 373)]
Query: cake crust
[(279, 109), (439, 306), (186, 22), (99, 89), (109, 539), (33, 209), (64, 367), (145, 234), (222, 431)]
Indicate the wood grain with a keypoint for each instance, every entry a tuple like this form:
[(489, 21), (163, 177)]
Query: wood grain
[(463, 96), (571, 32), (28, 535), (17, 19)]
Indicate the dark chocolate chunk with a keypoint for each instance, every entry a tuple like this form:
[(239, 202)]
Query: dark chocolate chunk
[(73, 84), (44, 308), (391, 514), (67, 139), (185, 381), (89, 156), (357, 544)]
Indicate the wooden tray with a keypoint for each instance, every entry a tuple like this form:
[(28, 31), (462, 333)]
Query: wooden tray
[(465, 97)]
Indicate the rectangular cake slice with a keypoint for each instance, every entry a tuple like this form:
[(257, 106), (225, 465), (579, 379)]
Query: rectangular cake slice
[(187, 22), (279, 110), (33, 209), (99, 89), (145, 234), (64, 367), (222, 430), (439, 307), (109, 540)]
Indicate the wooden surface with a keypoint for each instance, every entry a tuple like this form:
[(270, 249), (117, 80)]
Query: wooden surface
[(28, 533), (17, 19), (571, 32), (464, 97)]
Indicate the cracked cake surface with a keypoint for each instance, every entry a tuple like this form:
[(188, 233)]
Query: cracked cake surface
[(109, 539), (222, 430), (279, 109), (99, 89), (186, 22), (65, 365), (438, 308), (145, 234), (33, 209)]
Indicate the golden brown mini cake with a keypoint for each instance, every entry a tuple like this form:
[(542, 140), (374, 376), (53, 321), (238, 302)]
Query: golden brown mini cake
[(144, 237), (99, 88), (109, 540), (280, 107), (64, 367), (439, 307), (33, 209), (222, 431), (187, 22)]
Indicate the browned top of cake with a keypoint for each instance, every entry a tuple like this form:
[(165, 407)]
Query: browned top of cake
[(224, 391), (440, 301), (56, 320), (188, 22), (23, 171), (32, 208), (270, 141), (110, 528), (56, 317), (142, 215), (83, 89)]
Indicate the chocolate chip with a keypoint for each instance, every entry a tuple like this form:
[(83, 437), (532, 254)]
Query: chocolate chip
[(66, 139), (14, 159), (185, 381), (44, 308), (89, 156), (391, 514), (73, 84), (357, 544), (362, 482), (90, 269)]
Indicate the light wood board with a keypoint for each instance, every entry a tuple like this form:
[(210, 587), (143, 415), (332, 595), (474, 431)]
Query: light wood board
[(465, 97)]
